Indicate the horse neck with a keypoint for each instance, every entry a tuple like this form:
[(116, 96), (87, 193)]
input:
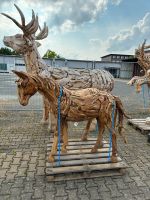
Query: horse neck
[(33, 61), (49, 88)]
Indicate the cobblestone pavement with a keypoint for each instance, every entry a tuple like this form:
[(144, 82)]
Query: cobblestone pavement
[(22, 164)]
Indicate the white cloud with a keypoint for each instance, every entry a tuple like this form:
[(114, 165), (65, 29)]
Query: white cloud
[(126, 39)]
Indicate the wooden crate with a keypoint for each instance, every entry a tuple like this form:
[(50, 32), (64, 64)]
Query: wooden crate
[(140, 125), (80, 163)]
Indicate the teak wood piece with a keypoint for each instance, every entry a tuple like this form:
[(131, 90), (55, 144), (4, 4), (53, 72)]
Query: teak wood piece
[(27, 45), (81, 163), (77, 105), (140, 125)]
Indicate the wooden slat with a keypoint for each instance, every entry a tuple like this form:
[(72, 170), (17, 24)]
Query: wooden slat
[(79, 162), (73, 143), (80, 151), (140, 124), (87, 168), (82, 156), (88, 146)]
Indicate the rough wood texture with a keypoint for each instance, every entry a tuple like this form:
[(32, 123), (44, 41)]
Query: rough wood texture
[(144, 62), (83, 164), (140, 124), (27, 45), (76, 105)]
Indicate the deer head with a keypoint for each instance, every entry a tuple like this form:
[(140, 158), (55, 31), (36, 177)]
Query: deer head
[(26, 86), (23, 42)]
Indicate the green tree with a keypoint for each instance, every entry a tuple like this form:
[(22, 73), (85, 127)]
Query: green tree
[(7, 51), (51, 54)]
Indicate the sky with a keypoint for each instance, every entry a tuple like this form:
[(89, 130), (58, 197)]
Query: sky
[(83, 29)]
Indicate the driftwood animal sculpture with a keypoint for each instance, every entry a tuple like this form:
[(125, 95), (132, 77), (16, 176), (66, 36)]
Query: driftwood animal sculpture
[(144, 62), (27, 44), (79, 105)]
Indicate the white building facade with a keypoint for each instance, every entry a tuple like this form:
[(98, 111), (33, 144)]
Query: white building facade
[(118, 69)]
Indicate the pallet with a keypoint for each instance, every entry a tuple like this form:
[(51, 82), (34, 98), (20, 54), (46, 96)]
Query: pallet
[(79, 162), (140, 125)]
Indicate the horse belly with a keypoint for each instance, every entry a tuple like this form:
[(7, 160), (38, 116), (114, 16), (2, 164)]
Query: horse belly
[(81, 115)]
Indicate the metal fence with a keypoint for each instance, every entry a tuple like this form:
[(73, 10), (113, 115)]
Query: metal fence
[(9, 97)]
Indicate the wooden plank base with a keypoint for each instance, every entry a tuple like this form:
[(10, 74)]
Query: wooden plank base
[(79, 162), (140, 125)]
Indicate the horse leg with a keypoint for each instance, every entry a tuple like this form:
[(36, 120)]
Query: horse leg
[(93, 125), (54, 146), (114, 148), (65, 136), (52, 122), (45, 111), (85, 134), (99, 142)]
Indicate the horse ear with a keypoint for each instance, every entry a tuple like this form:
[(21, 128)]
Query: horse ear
[(21, 74)]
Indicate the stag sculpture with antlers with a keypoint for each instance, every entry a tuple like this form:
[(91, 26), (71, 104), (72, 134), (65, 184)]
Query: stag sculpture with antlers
[(27, 44), (144, 62)]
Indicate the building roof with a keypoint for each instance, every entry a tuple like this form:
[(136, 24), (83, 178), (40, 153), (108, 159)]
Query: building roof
[(113, 54)]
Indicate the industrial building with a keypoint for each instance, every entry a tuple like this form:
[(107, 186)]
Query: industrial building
[(121, 66)]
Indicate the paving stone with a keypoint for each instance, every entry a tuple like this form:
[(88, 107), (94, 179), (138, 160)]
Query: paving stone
[(16, 191), (72, 194), (22, 172), (38, 193), (41, 163), (3, 173), (138, 181), (32, 167), (40, 170), (24, 164), (60, 190), (106, 195), (5, 197), (93, 193), (90, 183), (18, 154), (114, 191), (5, 189), (11, 175), (13, 168), (6, 165), (16, 161), (70, 185), (82, 188), (50, 187), (61, 198), (127, 194), (26, 196), (9, 158), (3, 155), (26, 157), (33, 160), (83, 197), (49, 195)]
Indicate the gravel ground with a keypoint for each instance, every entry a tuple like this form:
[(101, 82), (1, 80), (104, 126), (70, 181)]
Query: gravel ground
[(23, 157)]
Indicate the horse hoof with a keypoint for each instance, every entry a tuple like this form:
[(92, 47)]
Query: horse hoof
[(93, 150), (64, 150), (114, 159), (44, 122), (51, 159), (84, 138)]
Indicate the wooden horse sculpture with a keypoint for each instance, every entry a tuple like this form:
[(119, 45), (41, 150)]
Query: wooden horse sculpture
[(27, 45), (78, 105)]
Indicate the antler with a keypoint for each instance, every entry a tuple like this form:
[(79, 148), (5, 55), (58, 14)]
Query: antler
[(43, 33), (28, 29), (143, 60)]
